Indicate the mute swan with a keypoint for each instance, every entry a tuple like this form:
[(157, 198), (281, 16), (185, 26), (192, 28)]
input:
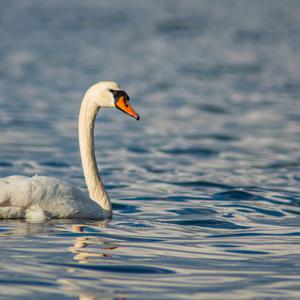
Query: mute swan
[(41, 197)]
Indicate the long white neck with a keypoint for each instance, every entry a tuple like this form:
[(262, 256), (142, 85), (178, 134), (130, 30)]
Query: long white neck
[(97, 192)]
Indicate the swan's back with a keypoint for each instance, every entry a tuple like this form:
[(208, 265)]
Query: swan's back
[(41, 197)]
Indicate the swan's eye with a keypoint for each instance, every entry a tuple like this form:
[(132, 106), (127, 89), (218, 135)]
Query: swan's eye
[(119, 94)]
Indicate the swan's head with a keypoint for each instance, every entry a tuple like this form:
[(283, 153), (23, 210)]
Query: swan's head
[(109, 94)]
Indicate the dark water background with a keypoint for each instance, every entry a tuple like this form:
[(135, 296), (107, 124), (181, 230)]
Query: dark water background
[(205, 188)]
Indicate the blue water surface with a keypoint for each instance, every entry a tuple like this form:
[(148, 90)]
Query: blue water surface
[(205, 187)]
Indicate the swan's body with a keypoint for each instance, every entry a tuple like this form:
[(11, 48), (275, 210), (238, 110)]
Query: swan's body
[(41, 197)]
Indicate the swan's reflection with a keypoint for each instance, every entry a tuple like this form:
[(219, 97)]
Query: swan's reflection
[(84, 249), (82, 245), (22, 228)]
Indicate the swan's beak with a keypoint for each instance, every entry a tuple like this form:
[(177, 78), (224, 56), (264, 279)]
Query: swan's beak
[(123, 104)]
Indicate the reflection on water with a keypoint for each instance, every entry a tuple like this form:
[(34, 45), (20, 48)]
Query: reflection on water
[(84, 248), (81, 246), (205, 188)]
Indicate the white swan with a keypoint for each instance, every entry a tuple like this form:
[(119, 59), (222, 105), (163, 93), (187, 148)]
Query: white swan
[(41, 198)]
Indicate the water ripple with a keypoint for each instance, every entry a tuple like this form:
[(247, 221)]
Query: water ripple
[(130, 269), (237, 195), (208, 223)]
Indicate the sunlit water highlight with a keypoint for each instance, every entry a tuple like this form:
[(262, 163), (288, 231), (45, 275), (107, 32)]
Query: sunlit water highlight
[(205, 188)]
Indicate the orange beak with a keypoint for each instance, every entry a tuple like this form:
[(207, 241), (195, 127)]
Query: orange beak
[(123, 104)]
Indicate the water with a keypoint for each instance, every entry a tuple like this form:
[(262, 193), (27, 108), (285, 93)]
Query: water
[(205, 187)]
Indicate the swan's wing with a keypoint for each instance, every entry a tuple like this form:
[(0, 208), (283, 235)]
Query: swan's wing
[(15, 191), (56, 198), (22, 191)]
